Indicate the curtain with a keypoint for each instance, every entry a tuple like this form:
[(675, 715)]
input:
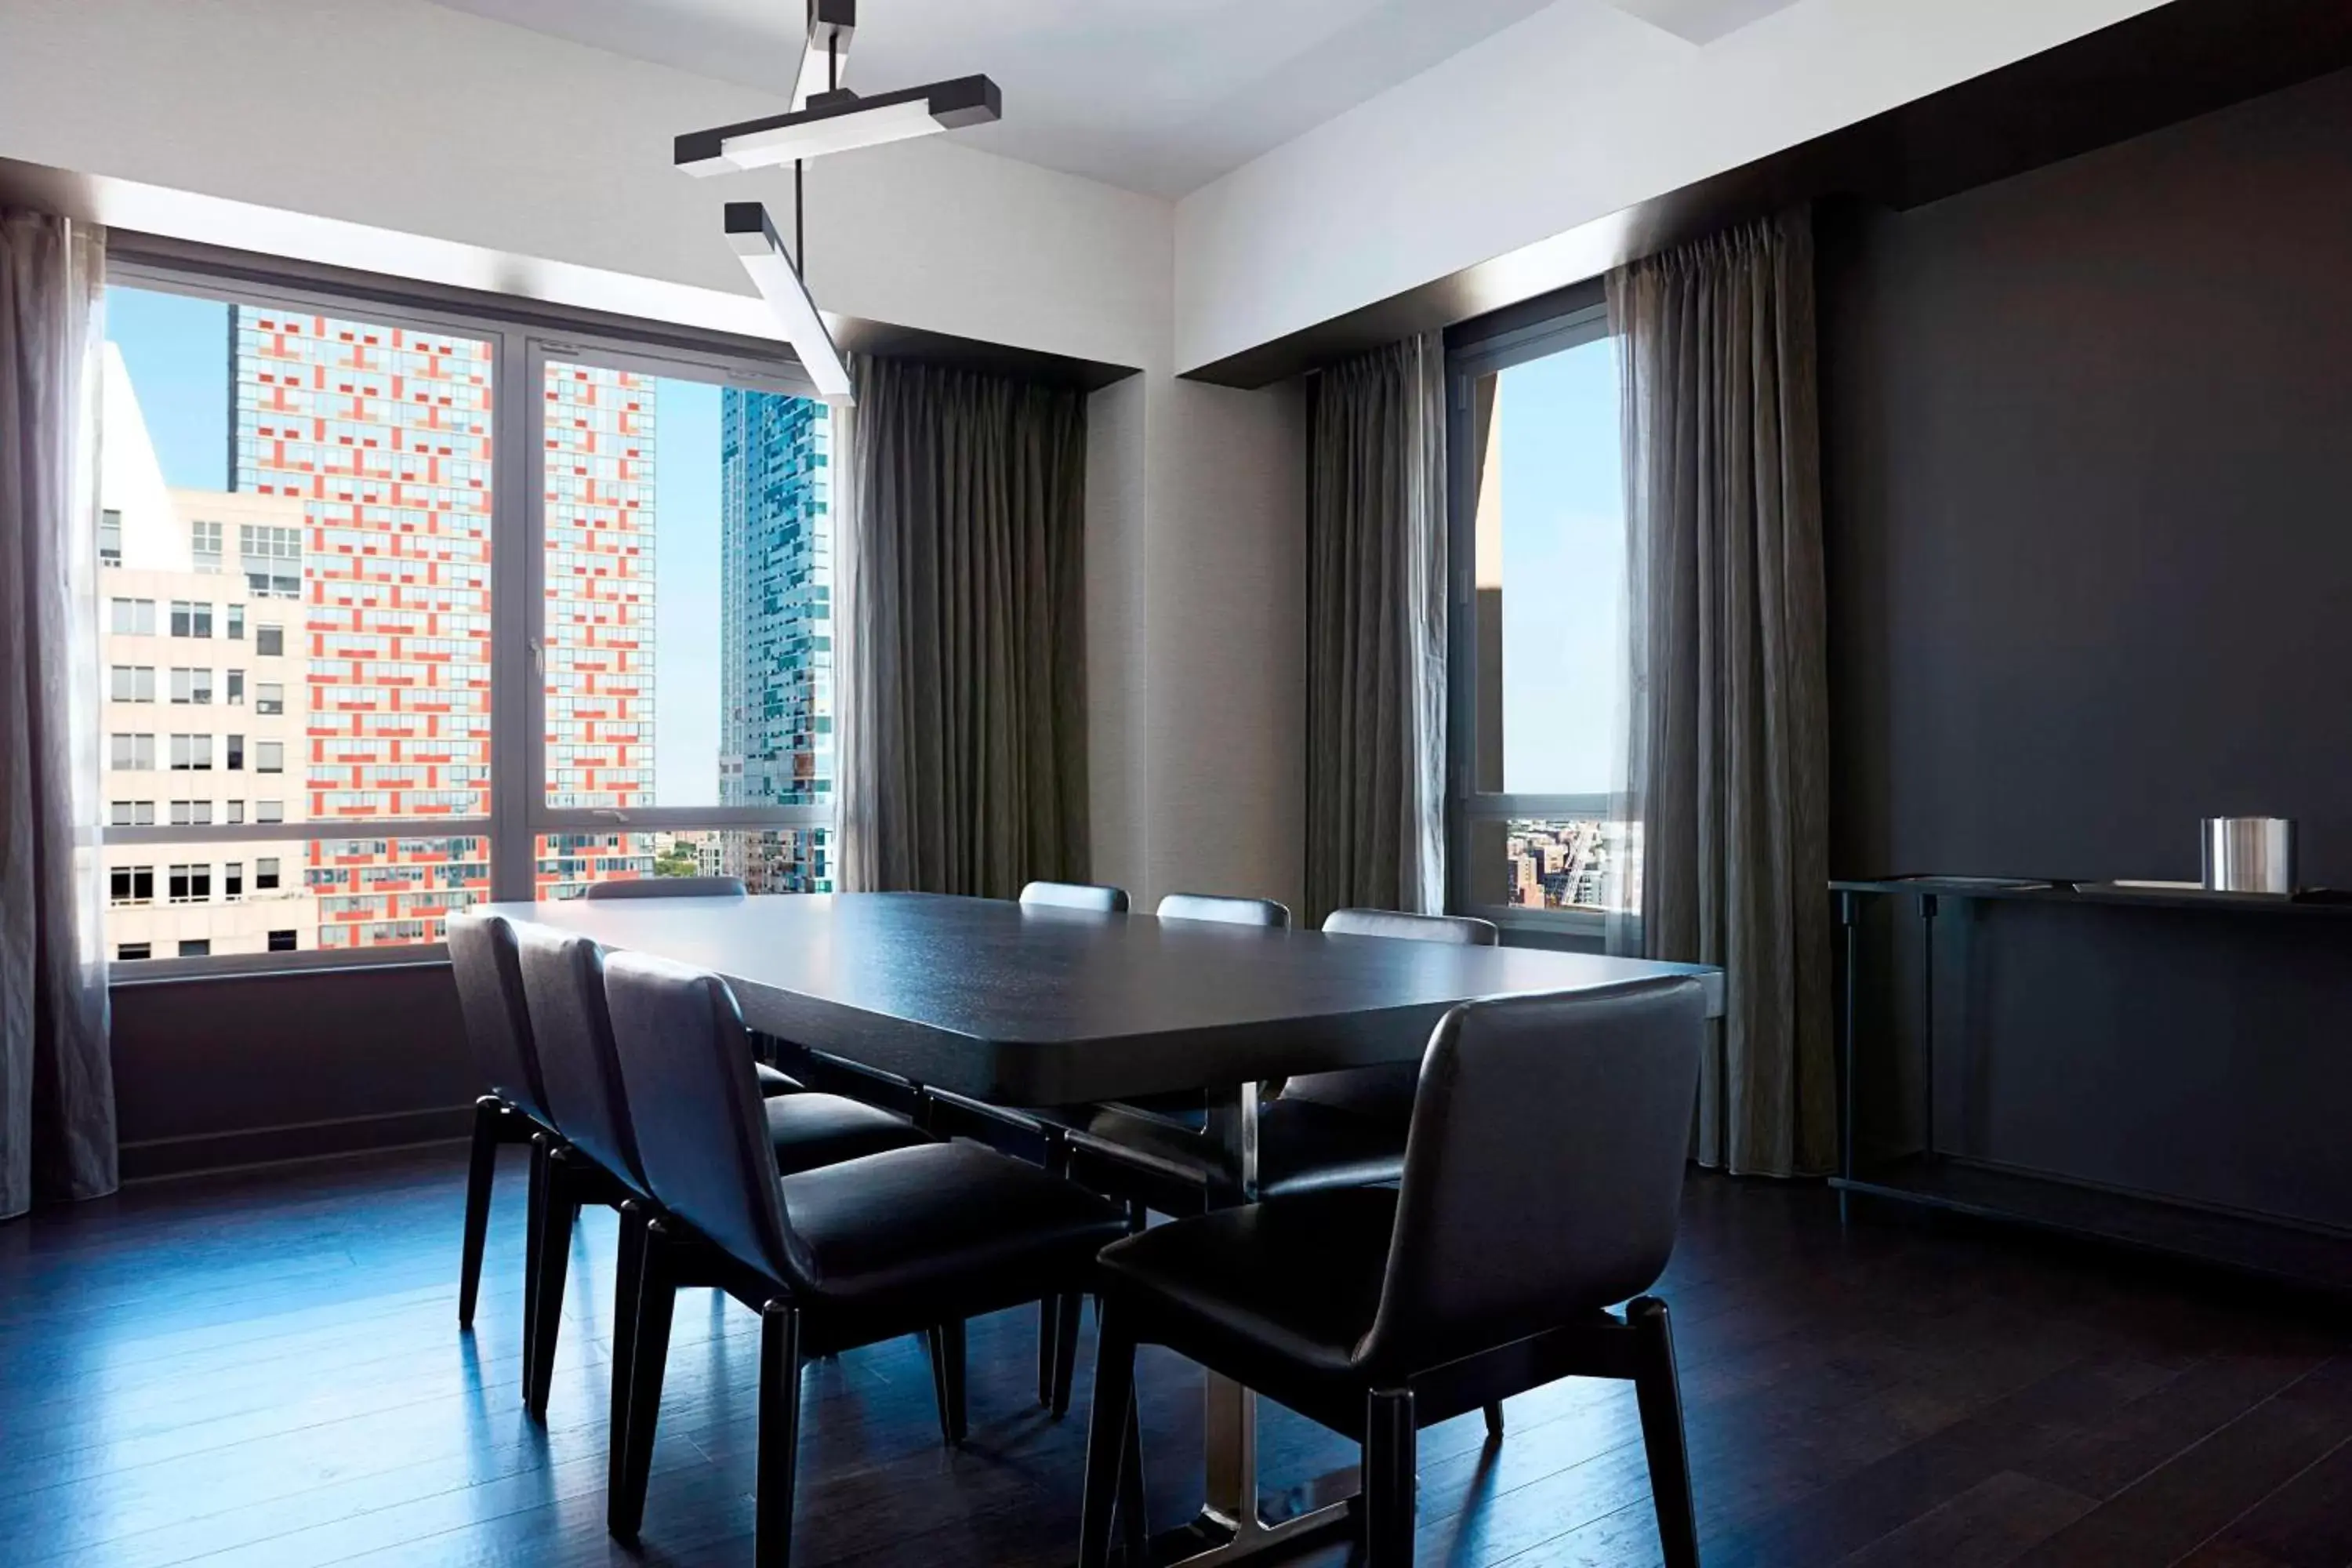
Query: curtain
[(960, 759), (56, 1085), (1725, 760), (1376, 633)]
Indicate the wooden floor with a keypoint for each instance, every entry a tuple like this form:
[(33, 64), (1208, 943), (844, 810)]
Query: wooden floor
[(264, 1370)]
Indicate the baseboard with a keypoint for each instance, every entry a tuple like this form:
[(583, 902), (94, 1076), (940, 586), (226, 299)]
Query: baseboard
[(155, 1158)]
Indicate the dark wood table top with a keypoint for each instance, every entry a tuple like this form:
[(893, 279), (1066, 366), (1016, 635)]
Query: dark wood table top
[(1048, 1006)]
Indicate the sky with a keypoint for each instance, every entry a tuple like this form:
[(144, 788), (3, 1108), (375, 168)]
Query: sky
[(1563, 572), (177, 350)]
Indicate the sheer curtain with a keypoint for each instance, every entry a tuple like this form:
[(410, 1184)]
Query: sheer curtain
[(56, 1085), (1726, 747), (960, 657), (1376, 633)]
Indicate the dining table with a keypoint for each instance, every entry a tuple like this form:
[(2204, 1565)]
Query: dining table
[(1026, 1006)]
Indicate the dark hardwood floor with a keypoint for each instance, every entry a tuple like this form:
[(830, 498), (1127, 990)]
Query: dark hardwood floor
[(265, 1370)]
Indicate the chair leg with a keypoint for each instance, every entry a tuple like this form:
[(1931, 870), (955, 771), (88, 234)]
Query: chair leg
[(1067, 1318), (559, 1212), (1134, 1512), (1494, 1408), (1107, 1435), (780, 1427), (481, 1169), (1658, 1392), (534, 1226), (648, 1360), (1057, 1163), (1389, 1477), (628, 1279), (947, 1378)]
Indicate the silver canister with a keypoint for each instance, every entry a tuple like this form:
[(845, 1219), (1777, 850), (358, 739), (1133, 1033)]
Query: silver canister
[(2249, 853)]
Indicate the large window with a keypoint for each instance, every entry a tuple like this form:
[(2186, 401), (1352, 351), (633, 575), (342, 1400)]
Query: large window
[(599, 570), (1539, 658)]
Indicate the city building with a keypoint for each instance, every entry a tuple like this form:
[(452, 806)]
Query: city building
[(205, 710)]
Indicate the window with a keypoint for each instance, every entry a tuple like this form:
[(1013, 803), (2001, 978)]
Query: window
[(269, 757), (132, 617), (235, 622), (109, 545), (236, 688), (191, 618), (268, 641), (190, 752), (204, 545), (190, 884), (272, 557), (265, 875), (192, 686), (192, 814), (268, 697), (233, 882), (282, 941), (196, 947), (233, 759), (131, 753), (131, 952), (130, 885), (130, 813), (131, 683), (236, 812), (1538, 664)]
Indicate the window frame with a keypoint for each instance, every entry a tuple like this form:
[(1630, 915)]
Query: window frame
[(523, 335), (1579, 317)]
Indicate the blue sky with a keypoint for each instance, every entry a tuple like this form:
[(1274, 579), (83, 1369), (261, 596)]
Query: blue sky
[(176, 349), (1563, 564)]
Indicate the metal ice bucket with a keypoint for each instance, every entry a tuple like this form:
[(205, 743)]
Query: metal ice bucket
[(2249, 853)]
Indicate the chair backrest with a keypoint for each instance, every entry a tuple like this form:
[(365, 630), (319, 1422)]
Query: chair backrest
[(668, 887), (1229, 912), (1462, 930), (1077, 895), (701, 1131), (484, 958), (1544, 1170), (563, 985)]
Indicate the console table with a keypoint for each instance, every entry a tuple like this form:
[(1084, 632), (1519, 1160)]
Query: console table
[(2279, 1247)]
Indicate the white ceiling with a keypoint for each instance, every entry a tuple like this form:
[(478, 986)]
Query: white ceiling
[(1155, 95)]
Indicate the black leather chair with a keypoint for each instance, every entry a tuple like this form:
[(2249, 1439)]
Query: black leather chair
[(830, 1258), (1077, 895), (592, 1154), (668, 887), (1541, 1185), (1385, 1093), (483, 958)]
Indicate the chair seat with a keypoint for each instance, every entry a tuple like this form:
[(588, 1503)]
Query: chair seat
[(941, 1219), (773, 1082), (813, 1130), (1299, 1279), (1383, 1094), (1303, 1147)]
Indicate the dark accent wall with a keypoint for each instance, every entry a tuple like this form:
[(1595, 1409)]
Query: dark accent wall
[(2087, 441)]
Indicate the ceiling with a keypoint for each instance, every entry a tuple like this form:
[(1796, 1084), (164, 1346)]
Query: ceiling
[(1160, 96)]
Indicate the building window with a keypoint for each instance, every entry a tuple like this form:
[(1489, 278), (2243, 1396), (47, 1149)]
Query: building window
[(190, 884), (236, 812), (109, 545), (268, 697), (192, 686), (235, 622), (131, 753), (233, 882), (131, 952), (192, 753), (131, 885), (204, 545), (192, 814), (132, 617), (235, 693), (265, 875), (282, 941), (273, 560), (131, 683), (268, 641), (1538, 663), (191, 618), (269, 757), (196, 947), (234, 760), (269, 811), (130, 813)]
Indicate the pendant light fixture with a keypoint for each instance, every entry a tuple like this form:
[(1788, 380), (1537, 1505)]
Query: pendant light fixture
[(824, 117)]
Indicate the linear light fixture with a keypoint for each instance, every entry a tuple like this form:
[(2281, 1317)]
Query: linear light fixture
[(838, 121), (762, 250), (825, 53)]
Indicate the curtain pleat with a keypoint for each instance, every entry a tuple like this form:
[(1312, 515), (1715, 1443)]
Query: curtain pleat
[(960, 756), (1727, 751), (1376, 633), (57, 1083)]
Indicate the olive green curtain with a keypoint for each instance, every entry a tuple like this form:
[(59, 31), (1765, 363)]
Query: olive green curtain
[(960, 759)]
